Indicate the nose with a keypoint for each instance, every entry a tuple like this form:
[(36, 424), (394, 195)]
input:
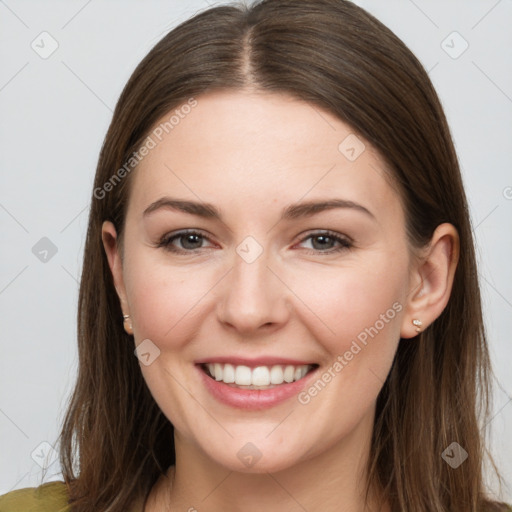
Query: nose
[(254, 298)]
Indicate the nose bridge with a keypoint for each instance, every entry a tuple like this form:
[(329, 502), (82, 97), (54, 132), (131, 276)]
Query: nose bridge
[(253, 296)]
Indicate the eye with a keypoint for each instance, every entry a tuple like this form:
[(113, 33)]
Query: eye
[(183, 241), (190, 241), (327, 242)]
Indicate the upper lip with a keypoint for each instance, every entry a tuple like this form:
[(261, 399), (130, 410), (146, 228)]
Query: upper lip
[(253, 362)]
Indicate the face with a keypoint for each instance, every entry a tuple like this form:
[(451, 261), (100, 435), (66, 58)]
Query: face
[(263, 241)]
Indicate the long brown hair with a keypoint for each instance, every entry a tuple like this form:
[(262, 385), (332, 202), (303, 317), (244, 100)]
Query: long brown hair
[(115, 441)]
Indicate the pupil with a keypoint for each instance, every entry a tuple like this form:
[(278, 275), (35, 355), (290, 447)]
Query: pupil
[(191, 241), (324, 241)]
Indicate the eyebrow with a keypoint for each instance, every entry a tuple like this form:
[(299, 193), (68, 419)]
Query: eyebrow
[(293, 211)]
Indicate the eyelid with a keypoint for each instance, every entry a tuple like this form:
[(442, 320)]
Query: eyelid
[(323, 231)]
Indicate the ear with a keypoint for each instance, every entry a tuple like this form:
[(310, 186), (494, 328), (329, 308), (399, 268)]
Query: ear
[(431, 280), (113, 252)]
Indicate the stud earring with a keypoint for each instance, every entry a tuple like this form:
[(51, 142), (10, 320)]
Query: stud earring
[(417, 323), (127, 324)]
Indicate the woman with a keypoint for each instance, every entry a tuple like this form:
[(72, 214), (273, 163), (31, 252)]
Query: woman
[(279, 234)]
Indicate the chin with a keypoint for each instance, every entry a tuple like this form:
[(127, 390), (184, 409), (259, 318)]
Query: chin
[(251, 460)]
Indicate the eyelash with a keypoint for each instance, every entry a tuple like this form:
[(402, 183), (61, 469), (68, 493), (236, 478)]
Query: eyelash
[(344, 242)]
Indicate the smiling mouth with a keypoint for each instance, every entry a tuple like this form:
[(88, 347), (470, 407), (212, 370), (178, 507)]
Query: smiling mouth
[(260, 377)]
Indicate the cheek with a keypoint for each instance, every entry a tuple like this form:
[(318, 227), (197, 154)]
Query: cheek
[(357, 303), (357, 321), (165, 302)]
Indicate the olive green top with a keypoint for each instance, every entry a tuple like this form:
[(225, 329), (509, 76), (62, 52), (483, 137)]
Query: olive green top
[(49, 497)]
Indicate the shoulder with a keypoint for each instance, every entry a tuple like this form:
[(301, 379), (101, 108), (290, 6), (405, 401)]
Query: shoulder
[(491, 507), (48, 497)]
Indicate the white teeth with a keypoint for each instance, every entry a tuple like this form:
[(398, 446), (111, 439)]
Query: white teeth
[(300, 372), (243, 376), (218, 371), (229, 374), (261, 376), (276, 375), (289, 373)]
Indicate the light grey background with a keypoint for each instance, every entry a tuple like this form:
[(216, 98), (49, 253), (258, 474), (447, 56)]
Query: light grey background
[(54, 113)]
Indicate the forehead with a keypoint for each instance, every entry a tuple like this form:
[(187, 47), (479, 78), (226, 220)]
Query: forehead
[(239, 148)]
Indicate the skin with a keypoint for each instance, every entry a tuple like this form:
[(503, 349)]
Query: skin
[(250, 155)]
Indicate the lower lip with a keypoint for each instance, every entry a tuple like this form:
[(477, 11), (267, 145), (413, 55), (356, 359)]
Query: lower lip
[(253, 398)]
